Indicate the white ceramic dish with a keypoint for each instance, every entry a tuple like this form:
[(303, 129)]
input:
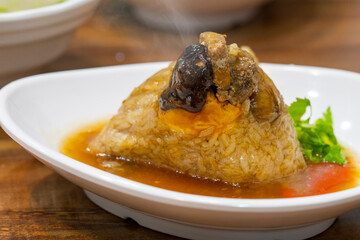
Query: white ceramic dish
[(39, 111), (32, 38)]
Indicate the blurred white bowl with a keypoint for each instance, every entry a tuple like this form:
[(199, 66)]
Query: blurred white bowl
[(198, 15), (32, 38)]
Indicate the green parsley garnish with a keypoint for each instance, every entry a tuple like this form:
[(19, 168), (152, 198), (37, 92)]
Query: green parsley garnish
[(317, 140)]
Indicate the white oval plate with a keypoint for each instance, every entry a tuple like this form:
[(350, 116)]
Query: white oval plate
[(39, 111)]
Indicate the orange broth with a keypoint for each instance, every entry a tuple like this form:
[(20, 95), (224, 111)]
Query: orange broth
[(316, 179)]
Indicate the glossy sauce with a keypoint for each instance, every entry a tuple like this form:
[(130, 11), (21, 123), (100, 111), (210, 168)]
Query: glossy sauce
[(316, 179)]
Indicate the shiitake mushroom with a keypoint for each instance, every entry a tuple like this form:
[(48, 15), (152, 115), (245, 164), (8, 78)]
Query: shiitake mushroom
[(190, 81)]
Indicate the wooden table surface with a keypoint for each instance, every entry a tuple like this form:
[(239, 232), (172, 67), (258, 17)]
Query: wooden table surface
[(36, 203)]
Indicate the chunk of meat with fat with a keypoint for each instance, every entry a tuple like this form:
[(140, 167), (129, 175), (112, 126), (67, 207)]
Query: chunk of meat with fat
[(217, 49), (245, 75), (235, 71), (266, 102), (238, 77)]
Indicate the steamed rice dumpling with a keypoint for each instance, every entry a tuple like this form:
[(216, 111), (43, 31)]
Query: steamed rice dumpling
[(214, 113)]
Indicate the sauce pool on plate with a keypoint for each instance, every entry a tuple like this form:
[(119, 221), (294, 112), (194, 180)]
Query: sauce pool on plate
[(316, 179)]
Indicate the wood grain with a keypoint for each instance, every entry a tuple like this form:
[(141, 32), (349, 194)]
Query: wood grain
[(36, 203)]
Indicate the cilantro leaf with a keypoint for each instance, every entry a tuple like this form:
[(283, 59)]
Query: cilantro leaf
[(318, 140), (335, 155), (297, 109), (324, 127)]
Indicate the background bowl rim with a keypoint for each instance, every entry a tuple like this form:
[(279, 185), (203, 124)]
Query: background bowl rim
[(40, 12)]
